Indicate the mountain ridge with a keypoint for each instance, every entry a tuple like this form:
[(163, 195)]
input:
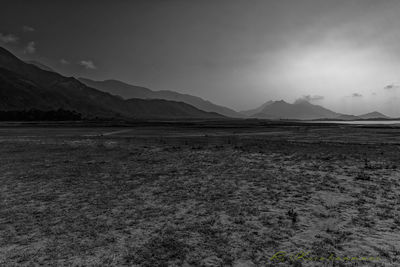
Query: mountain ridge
[(304, 110), (39, 65), (299, 110), (250, 112), (26, 86), (373, 115), (127, 91)]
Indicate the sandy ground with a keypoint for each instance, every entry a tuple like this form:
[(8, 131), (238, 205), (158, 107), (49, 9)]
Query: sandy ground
[(106, 198)]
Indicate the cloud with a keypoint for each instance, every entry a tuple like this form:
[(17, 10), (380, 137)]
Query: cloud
[(310, 98), (88, 64), (30, 48), (356, 95), (28, 29), (8, 38), (64, 62), (391, 86)]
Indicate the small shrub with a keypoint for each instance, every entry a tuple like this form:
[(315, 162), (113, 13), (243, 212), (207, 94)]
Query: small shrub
[(292, 215), (362, 176)]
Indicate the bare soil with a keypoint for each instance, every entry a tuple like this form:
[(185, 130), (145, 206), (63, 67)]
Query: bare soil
[(187, 196)]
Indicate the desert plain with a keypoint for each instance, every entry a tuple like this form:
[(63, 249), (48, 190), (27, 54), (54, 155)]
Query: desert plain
[(199, 194)]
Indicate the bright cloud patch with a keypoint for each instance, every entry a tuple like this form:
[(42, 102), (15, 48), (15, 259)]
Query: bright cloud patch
[(8, 38), (30, 48), (88, 64)]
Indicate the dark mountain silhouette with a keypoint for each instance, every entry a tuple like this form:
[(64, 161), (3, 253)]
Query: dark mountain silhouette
[(25, 86), (254, 111), (127, 91), (373, 115), (39, 65), (300, 110)]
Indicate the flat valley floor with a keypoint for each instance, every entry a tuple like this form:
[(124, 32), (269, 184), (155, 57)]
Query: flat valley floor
[(199, 195)]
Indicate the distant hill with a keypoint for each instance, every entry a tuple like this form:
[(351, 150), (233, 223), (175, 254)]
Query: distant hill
[(373, 115), (25, 86), (346, 117), (254, 111), (304, 110), (300, 110), (39, 65), (368, 116), (128, 91)]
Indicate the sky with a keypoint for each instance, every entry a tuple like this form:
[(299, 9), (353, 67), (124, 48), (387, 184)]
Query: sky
[(341, 54)]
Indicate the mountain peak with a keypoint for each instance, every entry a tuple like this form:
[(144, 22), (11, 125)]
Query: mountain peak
[(301, 102), (302, 110), (251, 112), (373, 115)]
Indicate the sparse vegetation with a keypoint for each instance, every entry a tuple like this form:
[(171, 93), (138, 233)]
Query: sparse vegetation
[(87, 199), (292, 215)]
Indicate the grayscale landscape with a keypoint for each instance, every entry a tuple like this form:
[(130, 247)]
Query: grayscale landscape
[(200, 133)]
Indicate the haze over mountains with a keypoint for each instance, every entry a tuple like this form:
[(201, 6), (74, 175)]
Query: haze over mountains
[(127, 91), (28, 85), (300, 110)]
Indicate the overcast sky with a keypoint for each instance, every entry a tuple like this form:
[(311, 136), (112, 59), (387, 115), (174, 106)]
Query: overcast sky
[(344, 55)]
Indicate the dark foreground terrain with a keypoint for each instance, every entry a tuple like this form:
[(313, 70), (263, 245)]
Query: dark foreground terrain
[(199, 196)]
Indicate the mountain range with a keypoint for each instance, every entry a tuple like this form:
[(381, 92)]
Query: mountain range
[(28, 85), (300, 110), (127, 91), (25, 86), (304, 110)]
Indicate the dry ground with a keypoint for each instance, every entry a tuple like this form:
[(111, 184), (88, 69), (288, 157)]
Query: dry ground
[(76, 198)]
